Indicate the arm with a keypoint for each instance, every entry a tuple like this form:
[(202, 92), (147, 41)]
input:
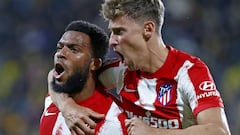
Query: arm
[(211, 121), (78, 118)]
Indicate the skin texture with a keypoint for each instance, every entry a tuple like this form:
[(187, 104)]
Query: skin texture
[(208, 125), (142, 47), (74, 54), (210, 121), (128, 36)]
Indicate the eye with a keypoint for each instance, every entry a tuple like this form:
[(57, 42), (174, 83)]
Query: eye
[(59, 47), (74, 49), (117, 31)]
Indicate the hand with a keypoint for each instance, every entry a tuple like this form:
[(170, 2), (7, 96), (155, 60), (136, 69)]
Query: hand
[(136, 126), (80, 119)]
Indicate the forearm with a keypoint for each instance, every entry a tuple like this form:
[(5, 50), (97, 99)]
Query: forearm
[(207, 129), (60, 99)]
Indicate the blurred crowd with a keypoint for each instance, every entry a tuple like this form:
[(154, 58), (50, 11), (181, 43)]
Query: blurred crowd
[(29, 30)]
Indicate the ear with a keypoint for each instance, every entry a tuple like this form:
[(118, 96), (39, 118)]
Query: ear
[(96, 63), (149, 29)]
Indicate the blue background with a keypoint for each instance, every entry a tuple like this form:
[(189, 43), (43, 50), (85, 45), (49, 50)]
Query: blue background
[(30, 29)]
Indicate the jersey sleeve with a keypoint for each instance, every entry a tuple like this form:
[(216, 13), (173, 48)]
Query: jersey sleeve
[(111, 74), (205, 92)]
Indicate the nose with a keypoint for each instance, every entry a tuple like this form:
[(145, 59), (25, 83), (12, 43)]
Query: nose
[(113, 41), (61, 53)]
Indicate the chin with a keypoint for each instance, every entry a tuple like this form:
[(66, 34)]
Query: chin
[(72, 85)]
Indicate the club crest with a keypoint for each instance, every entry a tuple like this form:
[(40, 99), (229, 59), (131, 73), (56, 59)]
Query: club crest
[(164, 95)]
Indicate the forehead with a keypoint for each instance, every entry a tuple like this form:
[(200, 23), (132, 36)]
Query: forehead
[(75, 37), (118, 22), (122, 22)]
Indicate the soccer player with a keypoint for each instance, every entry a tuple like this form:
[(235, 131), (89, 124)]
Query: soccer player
[(164, 91), (79, 54)]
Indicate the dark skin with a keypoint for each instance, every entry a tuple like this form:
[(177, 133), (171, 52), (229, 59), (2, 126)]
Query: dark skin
[(144, 37), (74, 53)]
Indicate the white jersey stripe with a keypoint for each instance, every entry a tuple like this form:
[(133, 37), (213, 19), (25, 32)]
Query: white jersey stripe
[(185, 90)]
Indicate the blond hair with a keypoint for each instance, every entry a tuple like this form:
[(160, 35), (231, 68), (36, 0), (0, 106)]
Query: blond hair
[(138, 10)]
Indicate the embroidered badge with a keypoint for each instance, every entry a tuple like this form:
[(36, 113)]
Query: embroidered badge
[(164, 95)]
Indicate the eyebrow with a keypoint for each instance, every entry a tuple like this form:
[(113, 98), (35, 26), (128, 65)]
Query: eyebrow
[(73, 45), (115, 28)]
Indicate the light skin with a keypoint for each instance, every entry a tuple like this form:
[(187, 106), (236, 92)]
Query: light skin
[(139, 46), (210, 121), (143, 48), (74, 53), (208, 124)]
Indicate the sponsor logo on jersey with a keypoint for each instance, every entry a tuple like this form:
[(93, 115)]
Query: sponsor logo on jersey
[(164, 95), (48, 113), (129, 90), (208, 94), (156, 122), (207, 86)]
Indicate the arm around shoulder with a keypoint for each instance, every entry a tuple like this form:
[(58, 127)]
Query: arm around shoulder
[(59, 99)]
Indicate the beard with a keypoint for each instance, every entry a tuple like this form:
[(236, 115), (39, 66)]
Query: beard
[(74, 83)]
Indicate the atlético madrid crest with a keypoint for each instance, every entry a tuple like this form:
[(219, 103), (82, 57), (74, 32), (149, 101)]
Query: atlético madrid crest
[(164, 94)]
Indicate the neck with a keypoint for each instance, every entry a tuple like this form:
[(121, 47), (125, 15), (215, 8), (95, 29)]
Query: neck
[(86, 92), (157, 55)]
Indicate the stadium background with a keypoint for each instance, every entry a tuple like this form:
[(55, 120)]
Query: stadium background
[(29, 30)]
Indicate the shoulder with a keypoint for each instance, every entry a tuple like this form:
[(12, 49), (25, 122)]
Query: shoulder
[(185, 59), (111, 62)]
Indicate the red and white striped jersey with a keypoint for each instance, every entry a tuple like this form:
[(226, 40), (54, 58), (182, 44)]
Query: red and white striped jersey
[(171, 97), (53, 123)]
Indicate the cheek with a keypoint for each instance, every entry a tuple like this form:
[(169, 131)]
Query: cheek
[(82, 63), (127, 44)]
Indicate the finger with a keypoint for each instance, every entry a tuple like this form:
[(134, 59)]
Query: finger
[(94, 118), (127, 122), (96, 115), (50, 75), (50, 78), (90, 123), (86, 131), (84, 127), (130, 129), (134, 118), (73, 132)]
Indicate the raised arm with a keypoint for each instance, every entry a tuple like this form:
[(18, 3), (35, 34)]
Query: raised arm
[(78, 118)]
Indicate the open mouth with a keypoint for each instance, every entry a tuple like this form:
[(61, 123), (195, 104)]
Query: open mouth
[(59, 70), (120, 55)]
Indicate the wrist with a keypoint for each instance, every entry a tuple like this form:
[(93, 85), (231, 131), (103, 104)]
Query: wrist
[(64, 103)]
